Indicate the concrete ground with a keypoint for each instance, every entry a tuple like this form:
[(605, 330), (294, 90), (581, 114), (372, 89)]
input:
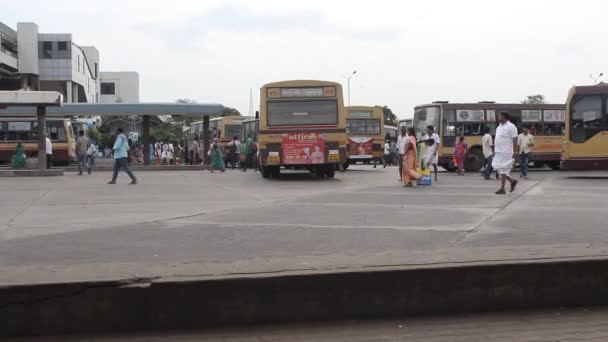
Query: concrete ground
[(563, 325), (198, 224)]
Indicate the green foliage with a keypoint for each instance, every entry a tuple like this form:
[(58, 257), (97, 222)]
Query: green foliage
[(227, 111), (534, 99), (389, 117), (167, 132)]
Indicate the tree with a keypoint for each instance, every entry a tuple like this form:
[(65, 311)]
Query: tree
[(534, 99), (227, 111), (390, 118), (185, 100), (167, 132)]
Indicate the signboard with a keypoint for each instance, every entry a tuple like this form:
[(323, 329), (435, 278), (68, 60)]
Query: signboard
[(554, 115), (467, 115), (273, 158), (360, 148), (531, 115), (134, 136), (360, 114), (303, 148), (19, 126), (490, 115), (301, 92)]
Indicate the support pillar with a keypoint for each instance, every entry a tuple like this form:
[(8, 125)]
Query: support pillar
[(68, 91), (41, 116), (146, 138), (206, 140)]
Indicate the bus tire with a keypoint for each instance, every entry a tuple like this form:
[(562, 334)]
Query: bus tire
[(475, 161), (330, 171), (555, 165), (265, 171), (449, 167), (275, 172)]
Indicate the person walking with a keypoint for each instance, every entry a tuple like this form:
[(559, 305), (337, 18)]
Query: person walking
[(248, 151), (235, 145), (487, 145), (49, 152), (431, 154), (505, 145), (433, 160), (460, 154), (217, 157), (410, 153), (393, 160), (387, 153), (82, 147), (525, 142), (401, 142), (121, 157)]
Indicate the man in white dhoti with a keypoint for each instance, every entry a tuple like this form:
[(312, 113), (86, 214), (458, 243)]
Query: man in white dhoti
[(505, 145)]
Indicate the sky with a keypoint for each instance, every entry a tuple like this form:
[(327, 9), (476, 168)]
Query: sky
[(406, 53)]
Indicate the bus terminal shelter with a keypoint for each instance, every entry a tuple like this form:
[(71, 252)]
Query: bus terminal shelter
[(10, 108)]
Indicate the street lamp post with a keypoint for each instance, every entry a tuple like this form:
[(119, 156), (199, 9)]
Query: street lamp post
[(595, 79), (348, 84)]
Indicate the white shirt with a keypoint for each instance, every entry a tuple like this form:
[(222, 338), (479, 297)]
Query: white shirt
[(486, 144), (505, 133), (387, 149), (435, 137), (401, 141), (49, 146), (525, 143)]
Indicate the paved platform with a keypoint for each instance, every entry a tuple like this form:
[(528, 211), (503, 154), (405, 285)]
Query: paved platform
[(183, 224), (563, 325)]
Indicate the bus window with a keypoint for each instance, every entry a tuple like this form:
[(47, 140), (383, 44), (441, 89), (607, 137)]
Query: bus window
[(426, 116), (515, 117), (314, 112), (586, 117), (232, 131), (363, 126), (553, 128)]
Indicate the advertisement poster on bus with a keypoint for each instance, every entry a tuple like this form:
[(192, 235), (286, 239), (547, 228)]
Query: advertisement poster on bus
[(303, 148), (360, 147), (470, 115)]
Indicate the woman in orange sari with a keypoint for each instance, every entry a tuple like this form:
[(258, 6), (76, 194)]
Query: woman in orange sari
[(409, 159)]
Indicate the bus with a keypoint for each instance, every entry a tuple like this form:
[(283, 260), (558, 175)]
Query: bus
[(391, 132), (302, 126), (224, 128), (250, 128), (405, 123), (25, 131), (365, 133), (451, 120), (586, 141)]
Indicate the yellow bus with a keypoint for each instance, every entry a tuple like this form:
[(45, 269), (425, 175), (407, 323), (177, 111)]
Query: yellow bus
[(451, 120), (366, 134), (586, 142), (302, 126), (391, 133), (25, 131), (224, 128)]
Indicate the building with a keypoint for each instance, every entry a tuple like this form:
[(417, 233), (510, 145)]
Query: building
[(49, 61)]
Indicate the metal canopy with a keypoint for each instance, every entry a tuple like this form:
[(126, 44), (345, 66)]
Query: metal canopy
[(119, 109)]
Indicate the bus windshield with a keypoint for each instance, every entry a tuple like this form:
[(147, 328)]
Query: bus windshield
[(426, 116), (232, 131), (314, 112), (363, 126)]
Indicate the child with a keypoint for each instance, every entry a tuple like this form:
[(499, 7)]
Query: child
[(460, 153)]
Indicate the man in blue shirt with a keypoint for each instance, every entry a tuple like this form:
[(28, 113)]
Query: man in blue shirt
[(121, 157)]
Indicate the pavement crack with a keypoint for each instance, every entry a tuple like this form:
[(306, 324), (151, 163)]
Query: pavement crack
[(10, 222)]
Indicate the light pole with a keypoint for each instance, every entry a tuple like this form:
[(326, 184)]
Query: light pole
[(596, 78), (348, 84)]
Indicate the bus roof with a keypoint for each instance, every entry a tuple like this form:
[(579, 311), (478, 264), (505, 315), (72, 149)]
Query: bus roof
[(297, 83), (237, 117), (601, 88), (497, 106)]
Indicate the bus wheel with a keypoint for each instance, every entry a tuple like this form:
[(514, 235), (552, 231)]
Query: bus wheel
[(330, 171), (475, 160), (319, 171), (275, 172), (449, 167), (265, 171), (555, 166)]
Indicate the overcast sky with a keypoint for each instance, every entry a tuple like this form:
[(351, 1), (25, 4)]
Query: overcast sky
[(405, 53)]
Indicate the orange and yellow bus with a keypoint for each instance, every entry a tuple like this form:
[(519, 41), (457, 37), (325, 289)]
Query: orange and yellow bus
[(224, 128), (586, 141), (451, 120), (25, 131), (302, 126), (366, 134)]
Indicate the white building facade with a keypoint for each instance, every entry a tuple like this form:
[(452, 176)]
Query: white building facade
[(43, 61), (119, 87)]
